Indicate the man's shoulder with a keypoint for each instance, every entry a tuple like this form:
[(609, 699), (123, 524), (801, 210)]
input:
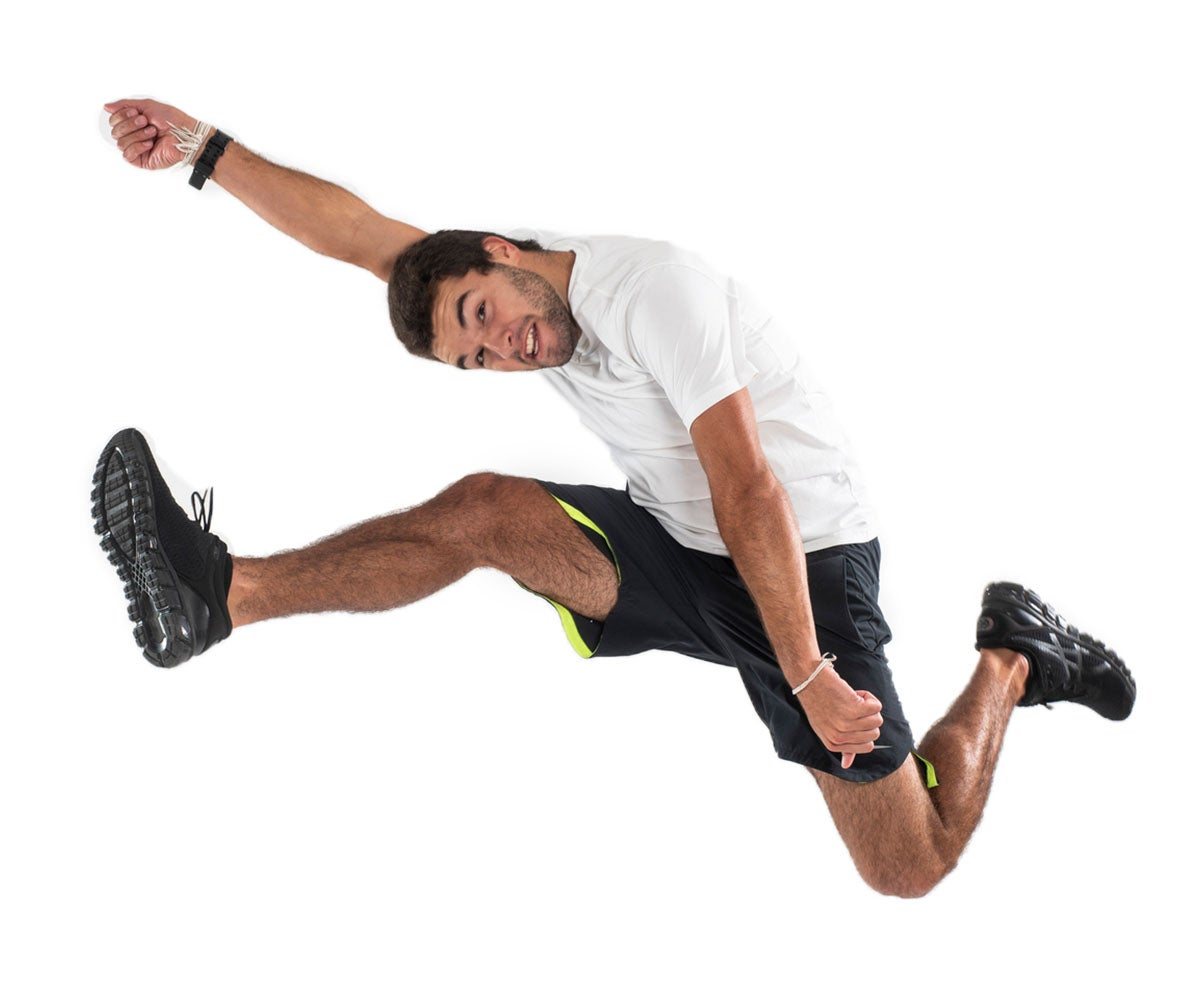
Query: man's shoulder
[(612, 262)]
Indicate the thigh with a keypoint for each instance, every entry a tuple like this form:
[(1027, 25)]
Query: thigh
[(890, 827), (659, 601), (517, 527)]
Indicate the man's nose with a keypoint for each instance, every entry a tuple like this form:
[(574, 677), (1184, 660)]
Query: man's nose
[(500, 342)]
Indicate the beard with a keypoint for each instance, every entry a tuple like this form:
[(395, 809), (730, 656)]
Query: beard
[(558, 330)]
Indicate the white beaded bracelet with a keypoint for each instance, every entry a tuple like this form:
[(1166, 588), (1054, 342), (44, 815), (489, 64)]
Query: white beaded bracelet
[(825, 660)]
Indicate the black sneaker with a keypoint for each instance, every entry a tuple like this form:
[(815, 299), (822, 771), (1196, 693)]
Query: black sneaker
[(176, 573), (1064, 664)]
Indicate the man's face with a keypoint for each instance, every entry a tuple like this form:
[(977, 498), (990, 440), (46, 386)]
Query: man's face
[(508, 320)]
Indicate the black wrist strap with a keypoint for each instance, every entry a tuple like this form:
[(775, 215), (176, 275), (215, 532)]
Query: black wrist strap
[(208, 159)]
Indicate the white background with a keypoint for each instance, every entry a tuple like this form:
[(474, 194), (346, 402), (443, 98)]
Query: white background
[(982, 223)]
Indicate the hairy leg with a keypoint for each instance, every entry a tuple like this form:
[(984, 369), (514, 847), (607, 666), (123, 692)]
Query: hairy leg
[(903, 837), (491, 521)]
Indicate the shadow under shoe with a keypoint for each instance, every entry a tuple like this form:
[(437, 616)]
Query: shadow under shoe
[(1065, 665), (176, 574)]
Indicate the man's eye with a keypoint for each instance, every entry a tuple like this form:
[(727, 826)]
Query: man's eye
[(479, 358), (479, 313)]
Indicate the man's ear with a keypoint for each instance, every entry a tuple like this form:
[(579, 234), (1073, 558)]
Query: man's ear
[(503, 252)]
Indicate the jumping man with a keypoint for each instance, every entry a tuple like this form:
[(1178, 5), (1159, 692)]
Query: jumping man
[(743, 536)]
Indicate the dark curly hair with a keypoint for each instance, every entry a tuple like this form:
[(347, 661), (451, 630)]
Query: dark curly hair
[(419, 271)]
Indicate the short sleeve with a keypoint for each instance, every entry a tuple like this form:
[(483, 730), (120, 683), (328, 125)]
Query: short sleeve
[(685, 330)]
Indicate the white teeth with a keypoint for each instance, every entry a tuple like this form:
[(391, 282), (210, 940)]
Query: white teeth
[(529, 341)]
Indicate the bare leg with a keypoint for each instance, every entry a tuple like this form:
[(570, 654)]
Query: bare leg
[(492, 521), (903, 837)]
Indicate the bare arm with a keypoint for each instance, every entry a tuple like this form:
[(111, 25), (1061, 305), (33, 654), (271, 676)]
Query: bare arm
[(318, 214), (758, 526)]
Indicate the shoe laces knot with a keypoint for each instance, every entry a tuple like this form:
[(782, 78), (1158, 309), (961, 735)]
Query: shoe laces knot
[(202, 508)]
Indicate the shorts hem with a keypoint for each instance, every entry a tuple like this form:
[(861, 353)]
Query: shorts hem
[(853, 772)]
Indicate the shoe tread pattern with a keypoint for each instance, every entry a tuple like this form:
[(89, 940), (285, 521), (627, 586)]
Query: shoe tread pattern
[(124, 515)]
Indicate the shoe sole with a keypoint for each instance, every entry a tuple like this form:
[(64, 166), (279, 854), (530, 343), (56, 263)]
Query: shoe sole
[(1031, 611), (124, 514)]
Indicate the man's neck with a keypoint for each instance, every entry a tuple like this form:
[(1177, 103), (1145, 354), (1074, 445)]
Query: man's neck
[(553, 266)]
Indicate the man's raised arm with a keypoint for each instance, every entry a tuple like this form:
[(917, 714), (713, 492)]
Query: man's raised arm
[(318, 214)]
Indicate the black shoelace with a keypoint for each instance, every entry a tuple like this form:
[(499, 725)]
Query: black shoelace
[(202, 508)]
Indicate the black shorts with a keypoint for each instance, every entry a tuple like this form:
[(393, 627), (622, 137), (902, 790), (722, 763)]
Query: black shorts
[(694, 603)]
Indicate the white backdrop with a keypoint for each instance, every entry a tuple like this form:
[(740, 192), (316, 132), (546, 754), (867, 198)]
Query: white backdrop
[(982, 224)]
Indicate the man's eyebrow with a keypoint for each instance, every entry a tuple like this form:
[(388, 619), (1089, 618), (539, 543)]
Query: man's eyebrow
[(462, 362), (461, 322)]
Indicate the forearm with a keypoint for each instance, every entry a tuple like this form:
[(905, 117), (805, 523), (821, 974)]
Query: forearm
[(325, 217), (759, 527)]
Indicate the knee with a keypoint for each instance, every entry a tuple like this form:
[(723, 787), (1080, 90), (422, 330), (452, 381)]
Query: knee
[(487, 494), (485, 505), (907, 879), (480, 489)]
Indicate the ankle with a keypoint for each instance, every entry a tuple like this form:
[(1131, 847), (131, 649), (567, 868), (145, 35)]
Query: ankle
[(1009, 667), (241, 587)]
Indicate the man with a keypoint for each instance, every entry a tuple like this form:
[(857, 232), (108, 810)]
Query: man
[(743, 537)]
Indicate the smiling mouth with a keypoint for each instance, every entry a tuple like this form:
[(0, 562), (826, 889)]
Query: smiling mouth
[(531, 341)]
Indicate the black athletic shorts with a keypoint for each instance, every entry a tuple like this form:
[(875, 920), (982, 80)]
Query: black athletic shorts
[(694, 603)]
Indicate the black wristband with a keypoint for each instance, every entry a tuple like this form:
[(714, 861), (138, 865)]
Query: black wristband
[(208, 159)]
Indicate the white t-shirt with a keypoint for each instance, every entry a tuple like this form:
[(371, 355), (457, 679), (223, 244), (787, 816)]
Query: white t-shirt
[(665, 338)]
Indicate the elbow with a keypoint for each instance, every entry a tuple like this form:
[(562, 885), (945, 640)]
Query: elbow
[(382, 266), (759, 488), (757, 503)]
